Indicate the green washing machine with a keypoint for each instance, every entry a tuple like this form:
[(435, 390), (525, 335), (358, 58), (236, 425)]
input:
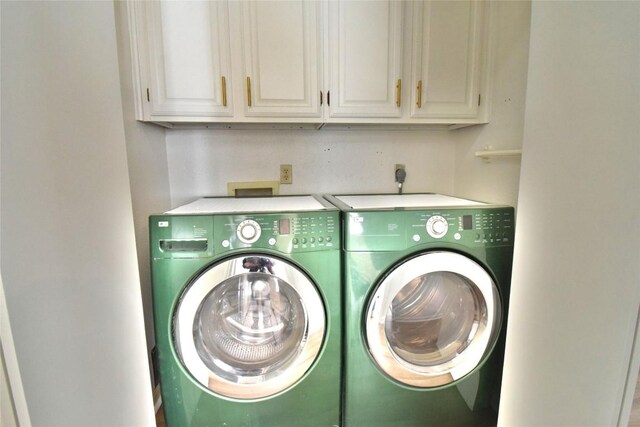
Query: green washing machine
[(246, 296), (426, 281)]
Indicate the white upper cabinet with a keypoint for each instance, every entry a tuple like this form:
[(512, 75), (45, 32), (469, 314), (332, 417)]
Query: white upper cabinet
[(282, 52), (446, 59), (365, 56), (187, 58), (312, 62)]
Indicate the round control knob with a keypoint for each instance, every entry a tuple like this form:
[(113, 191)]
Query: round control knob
[(437, 226), (248, 231)]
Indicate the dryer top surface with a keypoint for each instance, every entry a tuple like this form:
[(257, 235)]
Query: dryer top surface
[(390, 201), (208, 205)]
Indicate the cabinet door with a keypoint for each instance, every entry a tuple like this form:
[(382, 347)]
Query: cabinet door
[(365, 51), (446, 59), (188, 45), (282, 58)]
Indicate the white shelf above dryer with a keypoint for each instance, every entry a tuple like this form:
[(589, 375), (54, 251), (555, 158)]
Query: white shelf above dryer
[(489, 153)]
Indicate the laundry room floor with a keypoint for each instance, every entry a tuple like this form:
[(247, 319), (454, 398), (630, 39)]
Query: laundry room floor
[(160, 418)]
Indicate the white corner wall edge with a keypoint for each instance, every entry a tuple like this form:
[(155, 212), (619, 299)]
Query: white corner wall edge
[(7, 347), (65, 188), (11, 361), (632, 379), (575, 293)]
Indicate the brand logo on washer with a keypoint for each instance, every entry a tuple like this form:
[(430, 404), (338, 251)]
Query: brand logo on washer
[(357, 219), (163, 224)]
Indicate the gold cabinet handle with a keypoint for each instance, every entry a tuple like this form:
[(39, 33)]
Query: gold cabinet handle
[(398, 92), (249, 91), (224, 91), (419, 102)]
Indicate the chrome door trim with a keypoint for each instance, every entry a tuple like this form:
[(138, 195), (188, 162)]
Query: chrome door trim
[(258, 386), (484, 336)]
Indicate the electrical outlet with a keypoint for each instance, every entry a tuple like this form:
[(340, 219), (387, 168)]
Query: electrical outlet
[(286, 174)]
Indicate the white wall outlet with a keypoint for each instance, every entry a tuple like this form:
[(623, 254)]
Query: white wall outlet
[(286, 174)]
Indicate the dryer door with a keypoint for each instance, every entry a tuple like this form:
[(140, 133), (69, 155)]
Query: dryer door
[(250, 326), (433, 319)]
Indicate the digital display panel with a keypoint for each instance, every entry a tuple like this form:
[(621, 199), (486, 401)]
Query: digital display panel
[(284, 226), (467, 222)]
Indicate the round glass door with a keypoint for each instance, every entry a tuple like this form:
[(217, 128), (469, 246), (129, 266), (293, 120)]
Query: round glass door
[(249, 327), (433, 319)]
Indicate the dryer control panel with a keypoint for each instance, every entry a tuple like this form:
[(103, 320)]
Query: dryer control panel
[(402, 229)]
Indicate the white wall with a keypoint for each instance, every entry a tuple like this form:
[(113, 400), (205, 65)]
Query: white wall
[(497, 181), (202, 162), (68, 253), (576, 281)]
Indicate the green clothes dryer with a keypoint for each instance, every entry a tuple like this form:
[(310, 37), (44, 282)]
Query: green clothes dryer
[(246, 296), (426, 281)]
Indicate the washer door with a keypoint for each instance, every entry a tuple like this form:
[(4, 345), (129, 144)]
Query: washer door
[(433, 319), (249, 327)]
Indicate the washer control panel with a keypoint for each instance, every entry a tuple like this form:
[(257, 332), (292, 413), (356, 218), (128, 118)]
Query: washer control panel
[(294, 232)]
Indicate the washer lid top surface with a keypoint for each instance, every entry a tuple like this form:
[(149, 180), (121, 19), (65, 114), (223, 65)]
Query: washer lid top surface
[(389, 201), (207, 205)]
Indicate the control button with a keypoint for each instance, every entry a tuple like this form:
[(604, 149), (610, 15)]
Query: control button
[(295, 241), (225, 243), (457, 236), (320, 240), (248, 231), (437, 226), (416, 237), (329, 238), (477, 236), (272, 241), (304, 240)]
